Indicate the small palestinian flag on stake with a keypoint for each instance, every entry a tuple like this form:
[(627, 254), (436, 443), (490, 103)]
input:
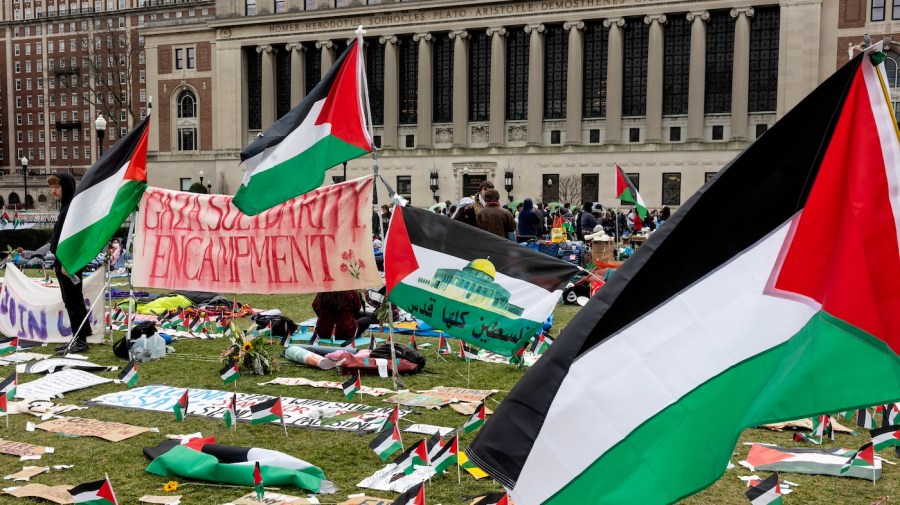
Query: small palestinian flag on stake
[(266, 412), (393, 418), (865, 420), (8, 391), (412, 342), (258, 482), (387, 443), (494, 499), (327, 128), (444, 346), (9, 345), (803, 437), (231, 413), (476, 420), (129, 376), (888, 436), (231, 372), (626, 192), (465, 352), (767, 492), (181, 406), (434, 444), (94, 493), (865, 456), (446, 457), (352, 386), (412, 496), (417, 454)]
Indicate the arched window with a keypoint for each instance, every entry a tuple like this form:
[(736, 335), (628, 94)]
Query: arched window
[(14, 199), (186, 106), (890, 68), (42, 199)]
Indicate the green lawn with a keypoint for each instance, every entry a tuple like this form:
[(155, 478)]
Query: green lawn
[(345, 457)]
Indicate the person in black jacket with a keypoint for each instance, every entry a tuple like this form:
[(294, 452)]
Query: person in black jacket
[(62, 186)]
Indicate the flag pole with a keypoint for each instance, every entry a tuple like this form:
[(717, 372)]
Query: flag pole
[(107, 300), (458, 473), (130, 283), (283, 425)]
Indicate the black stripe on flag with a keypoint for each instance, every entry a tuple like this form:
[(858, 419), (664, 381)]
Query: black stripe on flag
[(293, 119), (766, 486), (671, 260), (114, 159)]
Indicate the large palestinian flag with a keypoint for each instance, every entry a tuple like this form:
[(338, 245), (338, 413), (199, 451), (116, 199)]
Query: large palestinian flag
[(108, 192), (228, 464), (628, 193), (770, 458), (326, 129), (690, 345), (472, 284)]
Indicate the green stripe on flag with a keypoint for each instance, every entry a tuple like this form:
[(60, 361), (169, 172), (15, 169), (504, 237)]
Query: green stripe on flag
[(870, 374)]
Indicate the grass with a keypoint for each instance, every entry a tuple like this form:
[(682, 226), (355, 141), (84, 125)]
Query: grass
[(345, 457)]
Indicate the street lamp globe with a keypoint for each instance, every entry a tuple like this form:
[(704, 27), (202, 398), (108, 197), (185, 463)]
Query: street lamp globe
[(201, 177), (100, 125)]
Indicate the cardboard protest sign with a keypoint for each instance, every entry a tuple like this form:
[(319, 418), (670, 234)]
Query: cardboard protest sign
[(53, 364), (163, 500), (113, 432), (300, 381), (459, 394), (55, 384), (410, 399), (21, 357), (33, 312), (367, 500), (299, 413), (391, 478), (428, 429), (320, 241), (21, 449), (56, 494), (26, 473), (271, 498)]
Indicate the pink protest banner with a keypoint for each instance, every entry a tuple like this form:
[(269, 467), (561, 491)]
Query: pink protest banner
[(320, 241)]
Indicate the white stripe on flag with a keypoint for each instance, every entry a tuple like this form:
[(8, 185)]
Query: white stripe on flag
[(718, 322), (94, 204), (890, 145)]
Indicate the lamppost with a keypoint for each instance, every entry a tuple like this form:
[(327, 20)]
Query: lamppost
[(508, 184), (209, 188), (345, 172), (434, 184), (201, 177), (100, 125), (25, 180)]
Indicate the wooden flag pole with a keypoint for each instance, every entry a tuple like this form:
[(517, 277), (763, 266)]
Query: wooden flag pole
[(458, 473), (283, 425)]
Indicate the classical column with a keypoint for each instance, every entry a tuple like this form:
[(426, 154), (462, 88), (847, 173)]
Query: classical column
[(655, 77), (697, 77), (460, 88), (497, 127), (391, 92), (574, 81), (327, 49), (535, 84), (425, 91), (267, 98), (740, 75), (614, 71), (298, 72)]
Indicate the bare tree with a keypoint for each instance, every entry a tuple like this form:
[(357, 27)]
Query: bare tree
[(570, 188), (223, 188)]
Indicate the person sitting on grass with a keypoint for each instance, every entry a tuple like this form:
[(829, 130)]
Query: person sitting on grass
[(341, 313)]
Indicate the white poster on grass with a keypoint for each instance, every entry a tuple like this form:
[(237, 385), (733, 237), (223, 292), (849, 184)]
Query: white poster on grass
[(34, 312)]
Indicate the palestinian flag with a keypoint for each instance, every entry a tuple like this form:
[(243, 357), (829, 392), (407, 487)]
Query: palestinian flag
[(732, 335), (232, 465), (412, 496), (465, 352), (889, 436), (417, 454), (476, 420), (803, 437), (94, 493), (9, 345), (494, 499), (768, 458), (412, 342), (487, 290), (865, 456), (393, 419), (386, 443), (627, 193), (444, 346), (231, 412), (266, 412), (447, 456), (129, 375), (822, 427), (107, 194), (258, 482), (231, 372), (767, 492), (181, 406), (8, 386), (541, 344), (4, 219), (865, 420), (326, 129), (434, 444), (889, 414), (351, 386)]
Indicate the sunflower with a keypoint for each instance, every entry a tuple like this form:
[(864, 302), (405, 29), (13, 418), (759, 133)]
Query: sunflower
[(248, 347), (170, 486)]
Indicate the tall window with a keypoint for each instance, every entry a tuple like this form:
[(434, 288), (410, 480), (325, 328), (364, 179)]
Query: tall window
[(676, 66), (443, 78), (556, 60), (409, 80), (479, 76), (895, 10), (375, 79), (187, 124), (404, 186), (249, 7), (763, 60), (280, 6), (877, 10), (671, 189), (516, 74), (891, 67), (254, 89), (590, 188), (313, 69), (719, 60), (595, 60), (282, 81), (634, 86)]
